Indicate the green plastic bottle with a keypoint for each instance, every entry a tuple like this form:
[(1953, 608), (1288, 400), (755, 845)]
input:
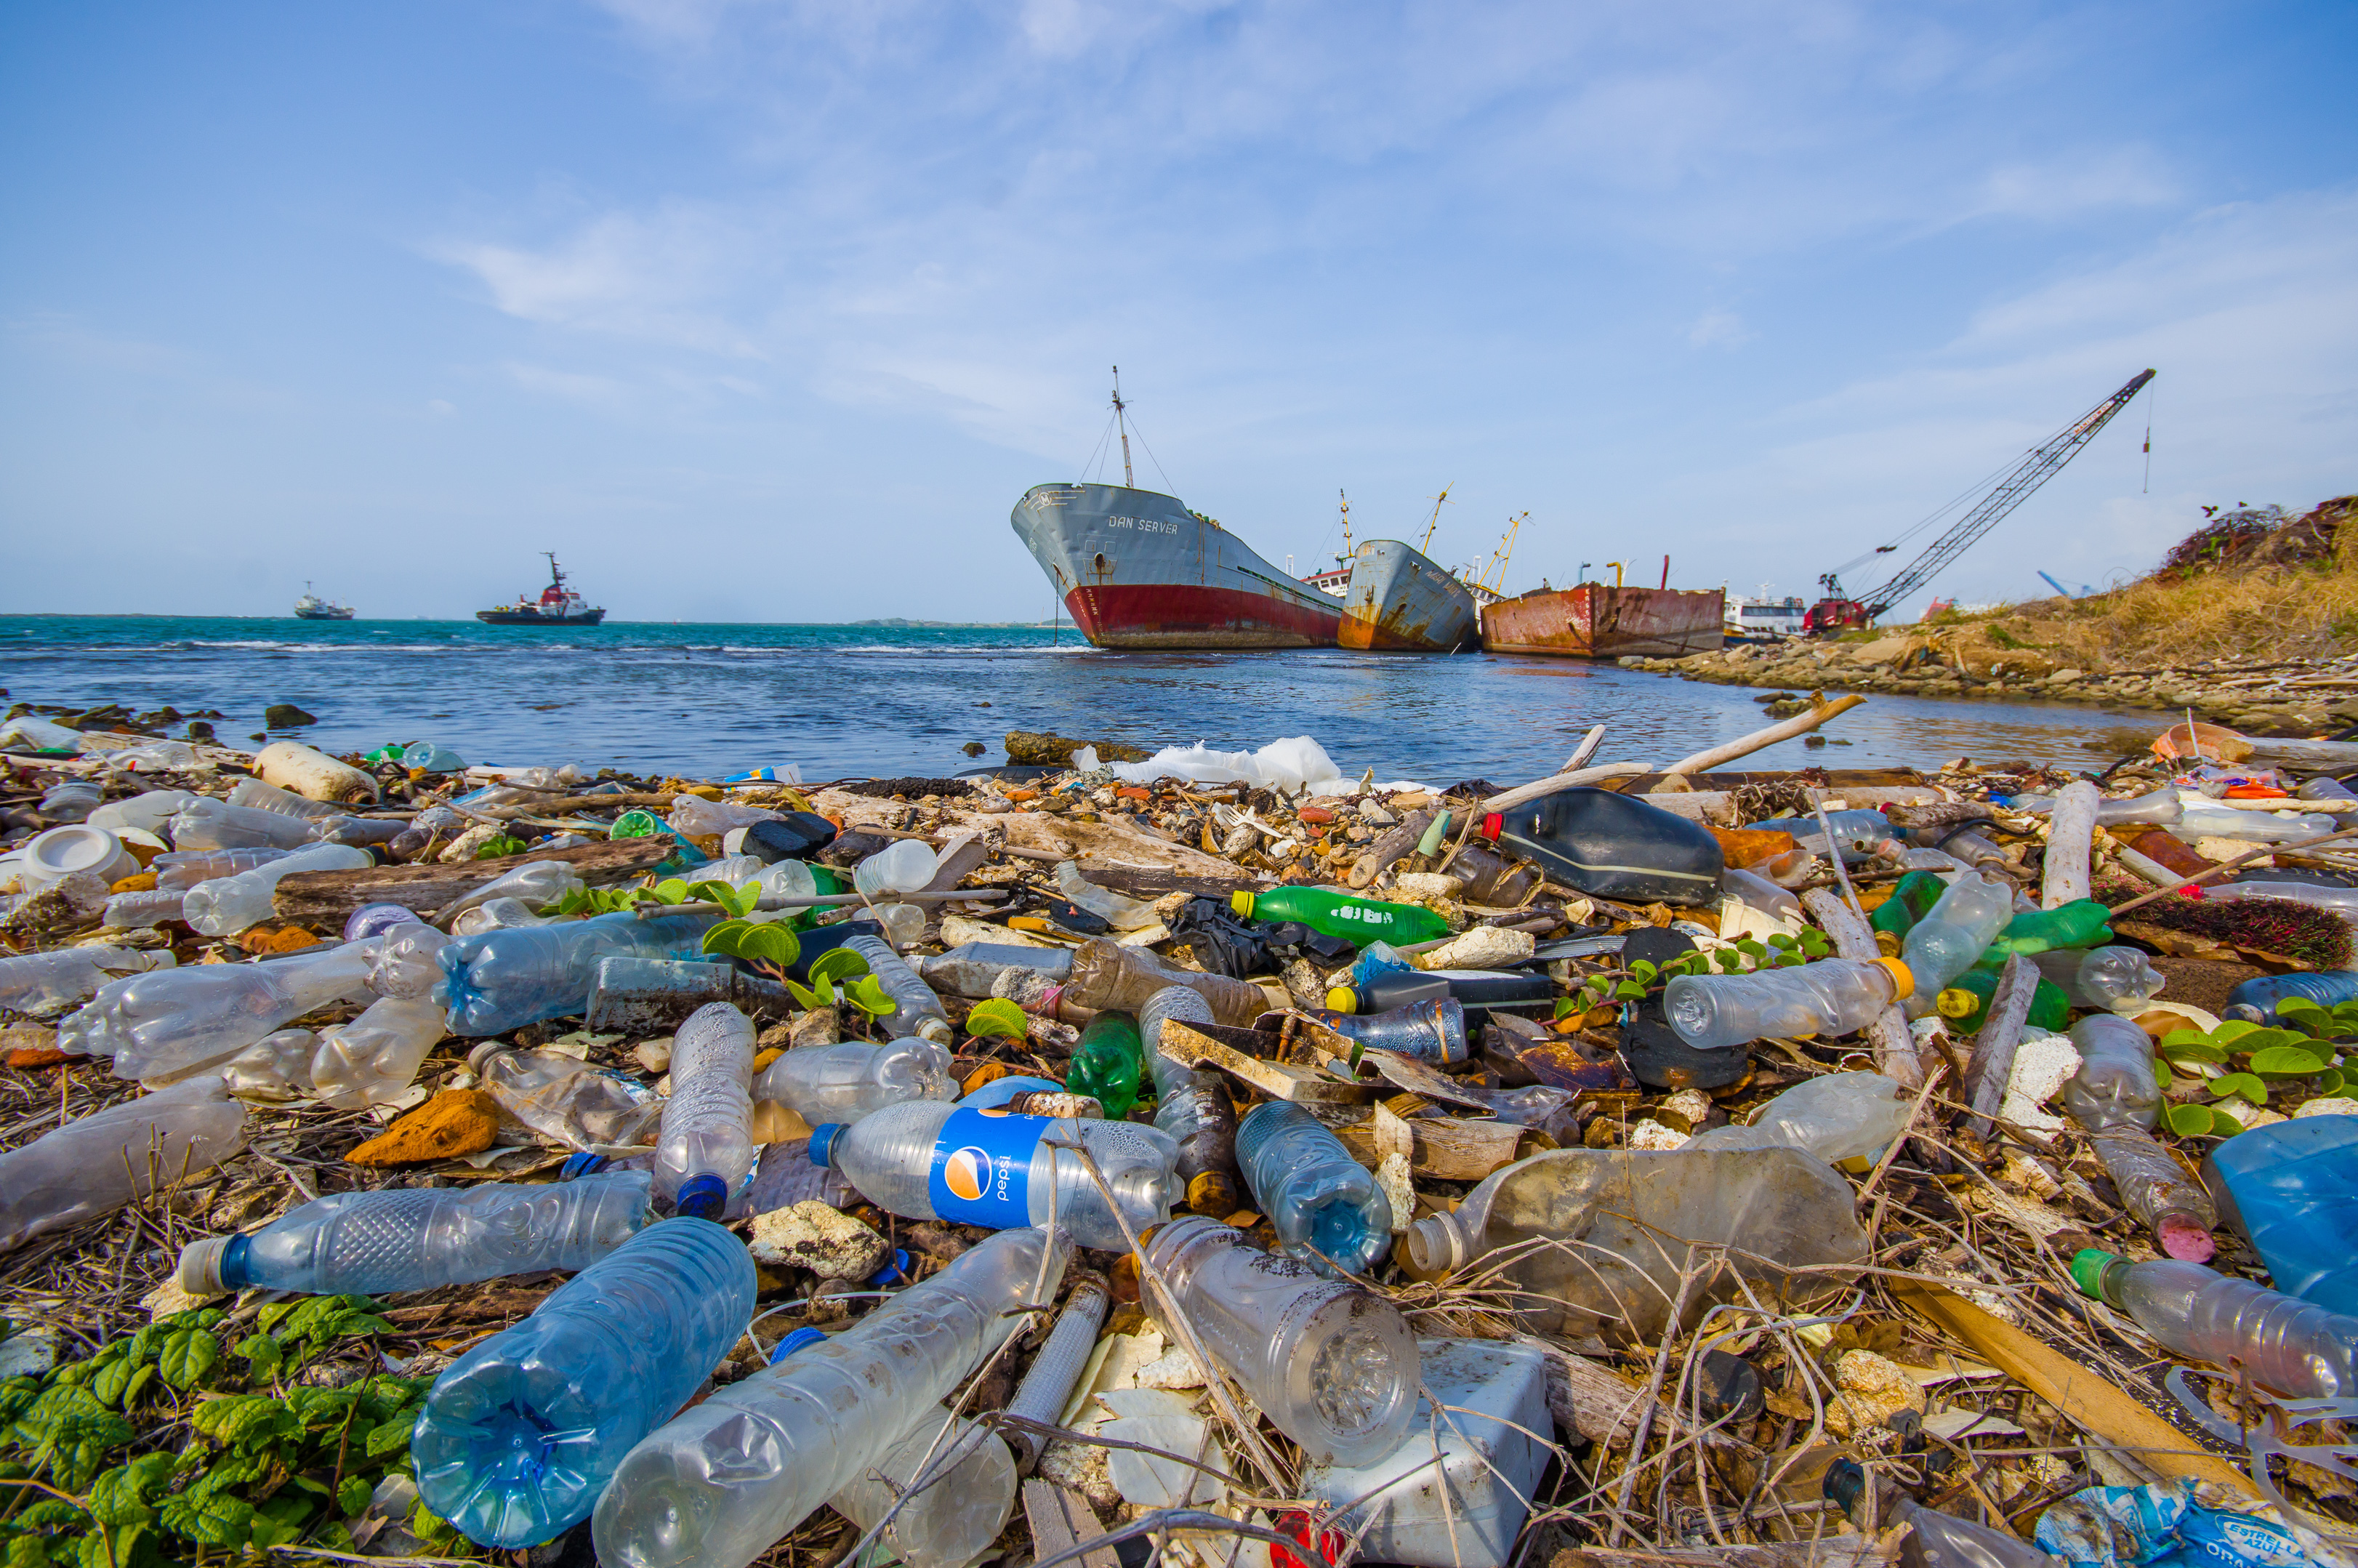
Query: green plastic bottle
[(1106, 1064), (1358, 920), (2080, 924), (1911, 900), (1965, 1004)]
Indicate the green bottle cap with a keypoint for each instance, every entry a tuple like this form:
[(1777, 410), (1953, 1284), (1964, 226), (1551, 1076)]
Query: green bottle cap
[(1242, 902), (2088, 1267)]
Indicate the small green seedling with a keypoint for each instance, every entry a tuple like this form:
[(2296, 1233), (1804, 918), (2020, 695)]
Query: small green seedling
[(996, 1019)]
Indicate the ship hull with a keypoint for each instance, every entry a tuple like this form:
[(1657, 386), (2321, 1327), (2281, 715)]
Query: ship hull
[(323, 615), (1398, 600), (1595, 622), (528, 618), (1137, 569)]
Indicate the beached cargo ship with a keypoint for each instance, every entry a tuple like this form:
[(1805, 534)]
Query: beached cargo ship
[(1399, 600), (1599, 621)]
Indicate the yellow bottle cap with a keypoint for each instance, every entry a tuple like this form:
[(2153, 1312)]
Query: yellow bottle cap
[(1901, 978), (1341, 998), (1242, 902), (1957, 1002)]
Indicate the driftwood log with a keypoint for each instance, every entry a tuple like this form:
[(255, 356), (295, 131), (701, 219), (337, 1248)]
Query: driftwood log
[(324, 898)]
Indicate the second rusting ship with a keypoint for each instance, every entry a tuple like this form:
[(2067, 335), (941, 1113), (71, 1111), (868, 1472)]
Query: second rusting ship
[(1399, 600), (1606, 620)]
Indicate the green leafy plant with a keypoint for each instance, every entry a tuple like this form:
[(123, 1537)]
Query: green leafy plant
[(168, 1443), (2201, 1121), (864, 992), (1642, 979), (496, 849), (2246, 1087), (762, 942), (996, 1019)]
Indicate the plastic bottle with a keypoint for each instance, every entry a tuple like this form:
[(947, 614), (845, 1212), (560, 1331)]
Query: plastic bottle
[(71, 801), (505, 980), (2115, 1085), (2205, 818), (1340, 915), (1944, 944), (1833, 996), (843, 1083), (96, 1164), (148, 812), (519, 1435), (2290, 1189), (42, 983), (1965, 1004), (432, 756), (403, 963), (1108, 977), (706, 1151), (964, 1480), (1191, 1107), (1380, 958), (1323, 1204), (2324, 787), (183, 868), (1122, 914), (903, 866), (141, 910), (208, 823), (2158, 807), (1332, 1366), (1761, 893), (1912, 898), (374, 1059), (1839, 1117), (2342, 900), (275, 1069), (255, 795), (1106, 1064), (229, 904), (1610, 846), (2326, 988), (2294, 1348), (565, 1100), (536, 883), (414, 1238), (172, 1021), (919, 1012), (2080, 924), (1934, 1539), (1860, 833), (974, 969), (1432, 1031), (924, 1159), (720, 1483), (499, 915), (711, 818), (1478, 992), (2157, 1192), (2106, 977)]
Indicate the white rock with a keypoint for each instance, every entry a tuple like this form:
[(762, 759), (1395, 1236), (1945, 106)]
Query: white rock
[(811, 1235), (1372, 813), (1692, 1104), (2250, 1115), (958, 930), (2328, 1105), (27, 1355), (654, 1055), (1174, 1369), (2042, 1065), (1400, 1191), (1483, 947), (1428, 884), (1650, 1134)]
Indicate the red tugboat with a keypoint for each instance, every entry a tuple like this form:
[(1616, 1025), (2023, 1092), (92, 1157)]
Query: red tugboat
[(556, 606)]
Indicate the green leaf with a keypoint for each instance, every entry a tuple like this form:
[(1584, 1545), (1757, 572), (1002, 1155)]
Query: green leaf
[(2286, 1062), (867, 993), (671, 890), (2191, 1121), (2246, 1087), (2305, 1014), (248, 1421), (112, 1379), (837, 964), (2234, 1029), (188, 1356), (1629, 990), (267, 1532), (2193, 1049), (352, 1495), (263, 1352), (808, 999), (274, 1315), (499, 848), (26, 1552), (212, 1520), (1643, 972), (1002, 1019), (390, 1437)]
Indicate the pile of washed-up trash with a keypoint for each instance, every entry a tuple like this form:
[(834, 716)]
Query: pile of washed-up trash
[(1205, 1156)]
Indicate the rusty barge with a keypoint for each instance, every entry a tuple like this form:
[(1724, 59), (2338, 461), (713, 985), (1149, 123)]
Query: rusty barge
[(1600, 621)]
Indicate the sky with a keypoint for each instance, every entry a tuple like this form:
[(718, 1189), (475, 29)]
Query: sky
[(771, 310)]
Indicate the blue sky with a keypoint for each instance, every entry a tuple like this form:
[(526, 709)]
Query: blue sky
[(769, 311)]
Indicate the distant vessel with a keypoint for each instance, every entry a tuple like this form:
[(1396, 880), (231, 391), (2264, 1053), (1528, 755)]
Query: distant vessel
[(1765, 617), (1397, 599), (1138, 569), (311, 607), (556, 606)]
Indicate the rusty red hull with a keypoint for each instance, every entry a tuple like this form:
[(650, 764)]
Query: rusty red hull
[(1596, 620)]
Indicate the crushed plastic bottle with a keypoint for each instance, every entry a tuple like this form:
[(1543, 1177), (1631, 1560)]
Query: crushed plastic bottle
[(824, 1084), (534, 883), (180, 869), (1108, 976), (1356, 920), (964, 1483), (98, 1163), (565, 1100), (499, 915), (1965, 1004), (925, 1159), (1839, 1117), (2158, 807), (414, 1238), (2290, 1189), (1911, 899), (1331, 1364), (277, 1068), (718, 1485), (2291, 1346), (705, 1149), (208, 823), (174, 1021), (256, 795), (1106, 1062), (1934, 1539), (2111, 979), (2115, 1085), (1944, 944), (374, 1059), (228, 905), (519, 1435), (993, 968), (2157, 1192), (711, 818), (1323, 1204), (1122, 914), (1862, 834), (39, 984), (148, 812), (2080, 924), (1833, 996), (2342, 900), (504, 979), (917, 1010), (2202, 818), (1191, 1107)]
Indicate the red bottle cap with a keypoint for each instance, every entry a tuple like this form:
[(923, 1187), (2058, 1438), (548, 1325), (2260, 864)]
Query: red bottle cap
[(1493, 825)]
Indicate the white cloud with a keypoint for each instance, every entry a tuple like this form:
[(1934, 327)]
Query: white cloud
[(1717, 328)]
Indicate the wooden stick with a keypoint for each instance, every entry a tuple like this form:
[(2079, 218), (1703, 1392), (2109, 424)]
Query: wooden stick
[(2071, 831), (1991, 1066), (2244, 859), (1585, 749), (1571, 779), (1799, 724)]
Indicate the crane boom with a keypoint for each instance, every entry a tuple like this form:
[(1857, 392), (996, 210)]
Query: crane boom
[(2040, 465)]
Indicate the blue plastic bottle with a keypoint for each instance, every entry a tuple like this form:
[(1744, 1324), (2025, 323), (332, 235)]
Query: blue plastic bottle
[(1320, 1200), (506, 979), (2291, 1191), (519, 1435), (2324, 988)]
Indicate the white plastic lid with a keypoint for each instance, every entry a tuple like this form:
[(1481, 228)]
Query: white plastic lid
[(78, 846)]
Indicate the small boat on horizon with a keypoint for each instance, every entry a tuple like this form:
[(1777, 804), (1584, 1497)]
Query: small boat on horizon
[(311, 607), (556, 606)]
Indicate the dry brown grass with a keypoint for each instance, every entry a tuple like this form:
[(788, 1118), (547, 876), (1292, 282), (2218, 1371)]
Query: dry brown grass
[(2266, 612)]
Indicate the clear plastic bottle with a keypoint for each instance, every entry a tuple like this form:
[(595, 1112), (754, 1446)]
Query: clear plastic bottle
[(2158, 807), (975, 969), (920, 1011), (43, 983), (1839, 1117), (1331, 1364), (965, 1483), (565, 1100), (374, 1059), (173, 1022), (1191, 1107), (782, 880), (1323, 1204), (2106, 977), (707, 1149), (504, 979), (499, 915), (1934, 1539), (96, 1164), (711, 818), (2292, 1346), (843, 1083), (1860, 833), (2324, 787), (141, 910), (71, 801), (925, 1159), (903, 866), (414, 1238), (1833, 996), (534, 883), (208, 823), (2342, 900), (2158, 1192), (405, 962), (256, 795), (1122, 914), (277, 1068), (147, 812), (2116, 1085), (228, 905), (1944, 944), (1108, 977), (183, 868), (2203, 817), (520, 1434), (720, 1483)]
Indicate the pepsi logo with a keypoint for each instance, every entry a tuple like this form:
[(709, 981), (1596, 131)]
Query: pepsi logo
[(966, 1171)]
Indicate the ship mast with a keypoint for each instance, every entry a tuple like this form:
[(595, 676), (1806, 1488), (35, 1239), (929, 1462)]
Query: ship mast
[(1127, 483), (1438, 502), (1347, 526)]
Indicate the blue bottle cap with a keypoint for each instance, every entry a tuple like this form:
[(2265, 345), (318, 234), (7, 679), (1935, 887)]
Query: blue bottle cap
[(822, 1140), (896, 1268), (702, 1196), (578, 1165), (801, 1338)]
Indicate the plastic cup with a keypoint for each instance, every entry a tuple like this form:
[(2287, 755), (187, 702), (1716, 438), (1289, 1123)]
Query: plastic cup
[(61, 851)]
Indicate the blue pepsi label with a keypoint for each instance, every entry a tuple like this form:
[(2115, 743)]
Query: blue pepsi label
[(981, 1171)]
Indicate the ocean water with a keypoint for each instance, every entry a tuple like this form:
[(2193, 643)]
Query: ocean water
[(844, 701)]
